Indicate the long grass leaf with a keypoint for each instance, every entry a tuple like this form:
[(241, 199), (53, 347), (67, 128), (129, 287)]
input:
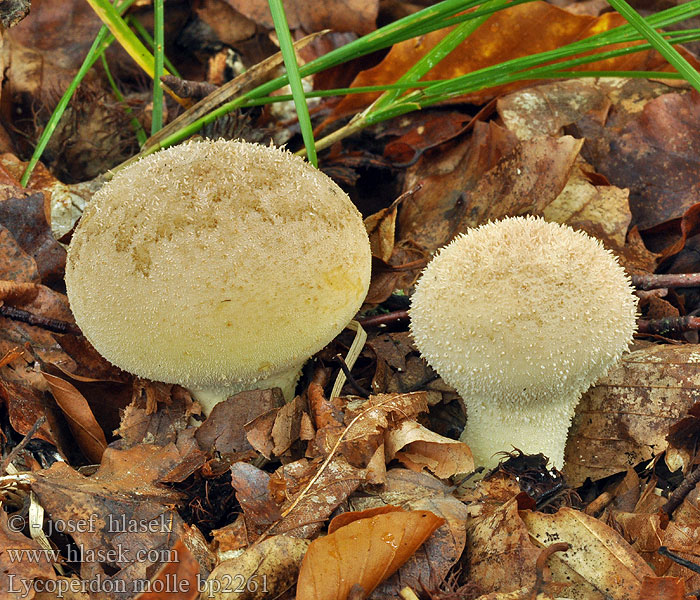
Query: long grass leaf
[(290, 62)]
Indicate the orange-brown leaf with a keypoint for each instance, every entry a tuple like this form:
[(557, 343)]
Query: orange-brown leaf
[(364, 552)]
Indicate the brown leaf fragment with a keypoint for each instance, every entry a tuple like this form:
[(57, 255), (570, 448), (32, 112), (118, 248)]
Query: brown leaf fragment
[(265, 570), (501, 556), (15, 264), (419, 448), (662, 588), (123, 513), (599, 562), (340, 15), (88, 434), (625, 417), (432, 561), (25, 218), (13, 570), (224, 431), (176, 580), (306, 508), (253, 494), (655, 156), (364, 552)]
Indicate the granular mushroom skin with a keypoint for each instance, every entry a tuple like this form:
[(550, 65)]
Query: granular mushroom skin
[(521, 316), (218, 265)]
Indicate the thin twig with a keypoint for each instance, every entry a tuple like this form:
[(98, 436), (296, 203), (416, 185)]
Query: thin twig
[(19, 447), (351, 380), (676, 499), (24, 316), (668, 325), (665, 280), (664, 551), (384, 319)]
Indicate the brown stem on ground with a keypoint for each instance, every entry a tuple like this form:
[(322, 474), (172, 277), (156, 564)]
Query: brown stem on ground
[(385, 319), (541, 564), (670, 280), (676, 499), (351, 380), (668, 325), (188, 89), (24, 316), (7, 461)]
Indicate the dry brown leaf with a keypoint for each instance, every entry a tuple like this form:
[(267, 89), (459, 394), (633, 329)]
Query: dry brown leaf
[(599, 562), (87, 432), (262, 571), (340, 15), (176, 580), (419, 448), (525, 30), (662, 588), (431, 562), (14, 571), (489, 176), (625, 417), (602, 211), (365, 552), (501, 556)]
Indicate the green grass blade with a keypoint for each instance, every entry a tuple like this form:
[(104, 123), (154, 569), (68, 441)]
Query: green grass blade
[(157, 112), (658, 42), (127, 38), (295, 83), (141, 30), (102, 41)]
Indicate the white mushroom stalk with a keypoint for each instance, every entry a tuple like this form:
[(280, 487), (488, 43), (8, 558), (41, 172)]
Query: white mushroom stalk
[(521, 316), (218, 265)]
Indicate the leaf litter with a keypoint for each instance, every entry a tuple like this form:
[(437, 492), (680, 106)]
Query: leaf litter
[(119, 482)]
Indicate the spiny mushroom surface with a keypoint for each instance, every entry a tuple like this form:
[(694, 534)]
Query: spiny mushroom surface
[(217, 265), (521, 316)]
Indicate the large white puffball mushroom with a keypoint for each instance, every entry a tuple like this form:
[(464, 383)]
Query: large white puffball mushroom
[(521, 316), (217, 265)]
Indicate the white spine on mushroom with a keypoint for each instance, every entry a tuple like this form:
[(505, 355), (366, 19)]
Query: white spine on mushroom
[(521, 316)]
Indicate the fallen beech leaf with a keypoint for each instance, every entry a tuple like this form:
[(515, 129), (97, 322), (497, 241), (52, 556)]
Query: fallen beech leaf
[(13, 571), (262, 571), (432, 562), (662, 588), (487, 177), (346, 518), (176, 580), (599, 560), (593, 209), (514, 32), (625, 417), (88, 434), (419, 448), (365, 552)]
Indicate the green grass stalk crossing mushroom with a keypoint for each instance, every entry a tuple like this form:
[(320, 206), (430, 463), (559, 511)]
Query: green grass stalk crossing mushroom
[(521, 316), (218, 265)]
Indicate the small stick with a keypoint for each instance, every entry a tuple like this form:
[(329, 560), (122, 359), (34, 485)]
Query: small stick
[(664, 551), (24, 316), (7, 461), (670, 280), (351, 380), (675, 499), (188, 89), (668, 325), (385, 319)]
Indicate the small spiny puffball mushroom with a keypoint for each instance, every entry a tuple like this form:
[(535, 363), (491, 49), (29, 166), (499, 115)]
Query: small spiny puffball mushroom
[(217, 265), (521, 316)]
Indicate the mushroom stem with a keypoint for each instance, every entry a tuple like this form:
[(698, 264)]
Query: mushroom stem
[(533, 428), (208, 397)]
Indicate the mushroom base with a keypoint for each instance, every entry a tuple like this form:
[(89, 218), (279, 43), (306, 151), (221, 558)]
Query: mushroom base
[(211, 396), (533, 429)]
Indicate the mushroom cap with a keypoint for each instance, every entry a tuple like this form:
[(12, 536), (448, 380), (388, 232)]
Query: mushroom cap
[(523, 310), (215, 262)]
